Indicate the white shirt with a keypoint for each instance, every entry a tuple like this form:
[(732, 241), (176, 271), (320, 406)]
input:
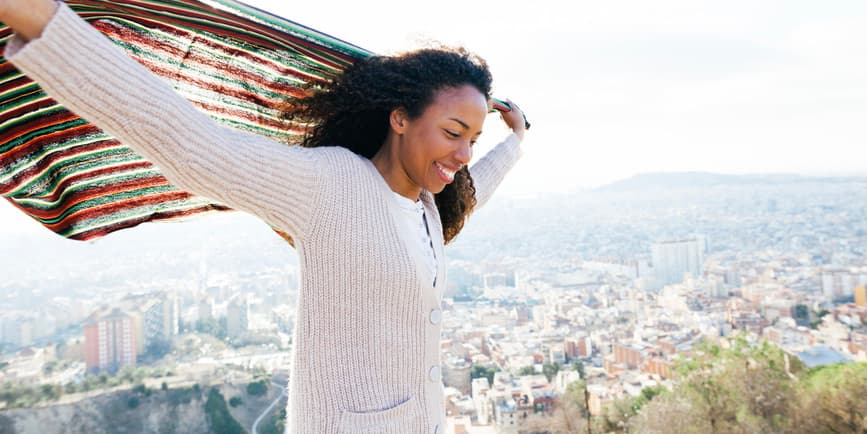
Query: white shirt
[(414, 212)]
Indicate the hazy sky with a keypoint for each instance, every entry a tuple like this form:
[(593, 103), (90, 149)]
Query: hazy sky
[(619, 87), (616, 88)]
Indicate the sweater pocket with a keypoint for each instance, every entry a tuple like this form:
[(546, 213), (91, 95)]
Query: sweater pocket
[(387, 421)]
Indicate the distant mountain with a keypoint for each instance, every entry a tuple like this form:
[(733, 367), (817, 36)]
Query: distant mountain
[(673, 180)]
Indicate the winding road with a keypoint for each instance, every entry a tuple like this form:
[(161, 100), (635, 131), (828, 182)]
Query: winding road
[(255, 429)]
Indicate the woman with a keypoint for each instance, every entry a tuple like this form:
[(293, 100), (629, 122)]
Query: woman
[(379, 187)]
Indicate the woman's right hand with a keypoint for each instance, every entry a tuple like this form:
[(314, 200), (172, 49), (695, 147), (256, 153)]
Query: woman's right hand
[(514, 119), (27, 18)]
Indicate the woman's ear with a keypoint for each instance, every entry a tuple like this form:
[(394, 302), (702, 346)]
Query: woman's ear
[(398, 119)]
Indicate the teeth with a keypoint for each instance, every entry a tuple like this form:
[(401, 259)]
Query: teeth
[(449, 173)]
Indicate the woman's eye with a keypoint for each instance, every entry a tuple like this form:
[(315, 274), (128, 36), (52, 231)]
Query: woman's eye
[(452, 133)]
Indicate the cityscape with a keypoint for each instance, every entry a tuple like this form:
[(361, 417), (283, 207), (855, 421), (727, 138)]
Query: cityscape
[(612, 295)]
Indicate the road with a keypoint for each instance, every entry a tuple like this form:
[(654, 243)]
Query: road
[(270, 407)]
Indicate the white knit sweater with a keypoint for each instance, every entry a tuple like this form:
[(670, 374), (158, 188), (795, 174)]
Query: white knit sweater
[(367, 356)]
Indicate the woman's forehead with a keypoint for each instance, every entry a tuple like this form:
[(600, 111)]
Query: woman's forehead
[(465, 103)]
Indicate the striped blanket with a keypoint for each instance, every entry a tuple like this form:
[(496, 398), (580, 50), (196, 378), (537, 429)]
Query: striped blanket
[(239, 64)]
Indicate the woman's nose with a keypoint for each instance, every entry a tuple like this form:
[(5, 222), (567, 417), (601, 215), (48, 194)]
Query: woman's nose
[(464, 153)]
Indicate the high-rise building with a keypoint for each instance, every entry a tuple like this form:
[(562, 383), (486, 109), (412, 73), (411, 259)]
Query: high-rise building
[(138, 326), (480, 390), (206, 308), (861, 296), (17, 330), (237, 317), (171, 316), (671, 259), (495, 280), (109, 341), (841, 282), (155, 318), (153, 321)]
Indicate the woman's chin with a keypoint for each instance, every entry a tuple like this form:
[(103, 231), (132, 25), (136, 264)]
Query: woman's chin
[(437, 188)]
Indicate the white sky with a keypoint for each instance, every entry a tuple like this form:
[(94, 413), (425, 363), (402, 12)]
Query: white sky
[(616, 88)]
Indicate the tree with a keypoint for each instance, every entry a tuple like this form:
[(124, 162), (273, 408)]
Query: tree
[(257, 388), (569, 416), (220, 421), (579, 367), (50, 392), (49, 367), (214, 327), (550, 370), (743, 388), (70, 387), (235, 401), (832, 399), (158, 348), (527, 370), (618, 414), (275, 425), (478, 371)]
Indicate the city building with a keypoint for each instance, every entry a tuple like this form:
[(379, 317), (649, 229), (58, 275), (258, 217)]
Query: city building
[(671, 259), (206, 308), (237, 317), (861, 296), (480, 394), (17, 331), (109, 341), (456, 373)]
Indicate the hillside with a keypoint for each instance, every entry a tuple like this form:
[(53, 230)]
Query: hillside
[(141, 410), (674, 180)]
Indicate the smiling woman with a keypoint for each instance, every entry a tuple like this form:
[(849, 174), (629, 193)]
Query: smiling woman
[(416, 116), (389, 132)]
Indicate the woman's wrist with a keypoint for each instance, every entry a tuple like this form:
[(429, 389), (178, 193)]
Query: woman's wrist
[(27, 18)]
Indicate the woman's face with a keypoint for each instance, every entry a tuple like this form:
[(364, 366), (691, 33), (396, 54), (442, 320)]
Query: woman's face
[(439, 142)]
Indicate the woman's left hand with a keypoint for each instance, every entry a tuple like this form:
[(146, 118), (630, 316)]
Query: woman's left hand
[(514, 119), (27, 18)]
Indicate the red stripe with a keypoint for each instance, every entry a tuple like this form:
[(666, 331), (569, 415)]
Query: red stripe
[(97, 192), (142, 40), (86, 176), (155, 20), (45, 122), (165, 215), (115, 207), (27, 108), (39, 143)]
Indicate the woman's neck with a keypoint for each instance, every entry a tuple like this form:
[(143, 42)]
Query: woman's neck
[(389, 166)]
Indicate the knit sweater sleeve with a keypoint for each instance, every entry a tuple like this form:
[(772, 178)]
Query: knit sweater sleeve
[(490, 170), (80, 68)]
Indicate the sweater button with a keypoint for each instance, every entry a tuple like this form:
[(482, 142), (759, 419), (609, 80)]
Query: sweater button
[(436, 316), (434, 373)]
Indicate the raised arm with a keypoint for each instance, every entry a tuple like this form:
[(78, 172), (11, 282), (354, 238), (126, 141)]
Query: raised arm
[(81, 69), (490, 170)]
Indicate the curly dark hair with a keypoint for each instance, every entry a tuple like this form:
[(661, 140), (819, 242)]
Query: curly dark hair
[(353, 110)]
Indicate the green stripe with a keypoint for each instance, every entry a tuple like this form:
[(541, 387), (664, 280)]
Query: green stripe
[(79, 161), (29, 116), (41, 202), (23, 90), (107, 199), (288, 61), (24, 138), (133, 214)]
